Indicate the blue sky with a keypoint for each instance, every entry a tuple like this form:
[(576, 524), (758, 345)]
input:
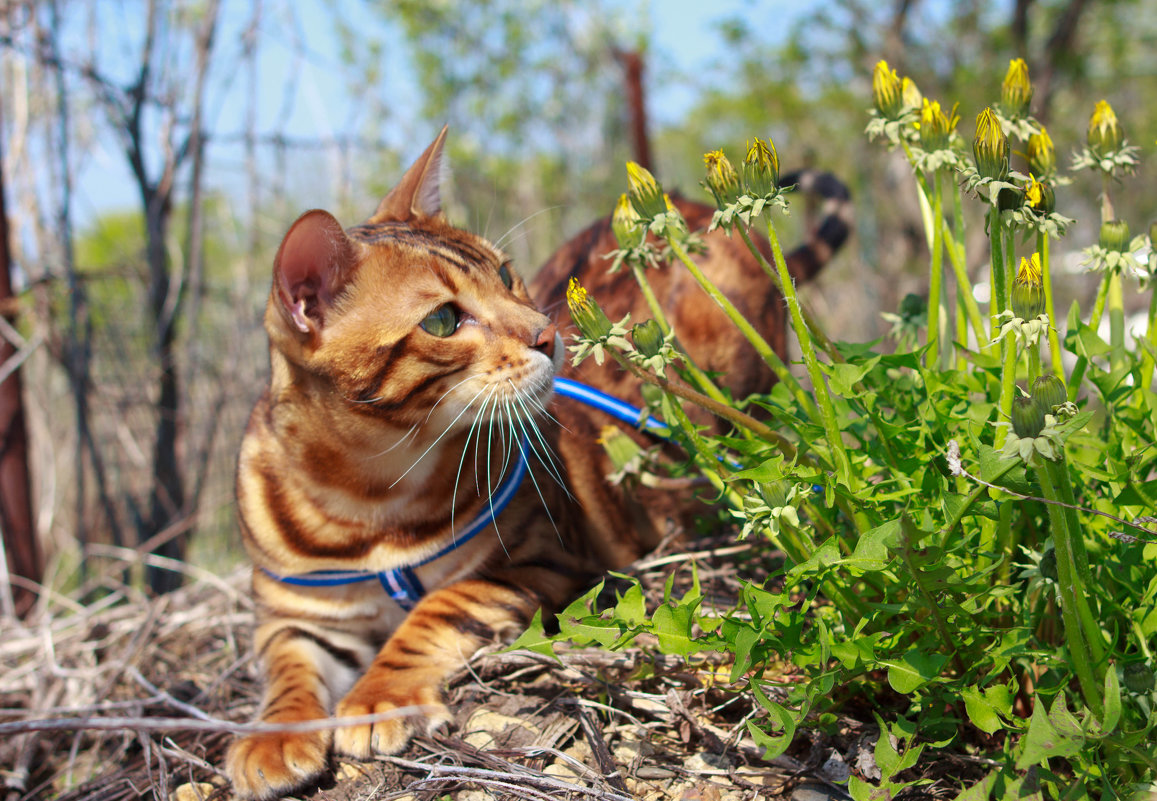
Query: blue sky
[(683, 34)]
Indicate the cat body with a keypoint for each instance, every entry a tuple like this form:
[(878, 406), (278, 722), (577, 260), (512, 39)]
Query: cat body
[(411, 372)]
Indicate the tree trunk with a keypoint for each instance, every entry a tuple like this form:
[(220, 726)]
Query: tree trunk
[(21, 550), (167, 495)]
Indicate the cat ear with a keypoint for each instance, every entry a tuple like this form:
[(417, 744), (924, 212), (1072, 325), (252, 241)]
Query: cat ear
[(311, 267), (418, 194)]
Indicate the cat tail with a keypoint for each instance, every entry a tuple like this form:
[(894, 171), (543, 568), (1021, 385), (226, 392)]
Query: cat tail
[(834, 226)]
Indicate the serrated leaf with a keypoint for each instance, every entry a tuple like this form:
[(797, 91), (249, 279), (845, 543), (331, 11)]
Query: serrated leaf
[(632, 607), (745, 639), (1043, 741), (535, 639), (773, 745)]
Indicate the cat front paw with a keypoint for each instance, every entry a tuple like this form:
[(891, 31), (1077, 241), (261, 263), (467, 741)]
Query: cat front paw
[(268, 766), (420, 708)]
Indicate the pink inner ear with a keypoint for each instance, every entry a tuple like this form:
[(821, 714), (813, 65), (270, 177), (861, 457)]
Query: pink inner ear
[(311, 266)]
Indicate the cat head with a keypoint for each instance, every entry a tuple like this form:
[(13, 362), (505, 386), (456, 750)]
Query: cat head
[(405, 317)]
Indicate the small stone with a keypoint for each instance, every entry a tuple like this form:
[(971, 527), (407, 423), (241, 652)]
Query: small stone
[(815, 792), (194, 791), (347, 772), (654, 772)]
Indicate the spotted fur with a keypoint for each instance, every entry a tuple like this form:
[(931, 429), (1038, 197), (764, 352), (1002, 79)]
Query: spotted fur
[(377, 440)]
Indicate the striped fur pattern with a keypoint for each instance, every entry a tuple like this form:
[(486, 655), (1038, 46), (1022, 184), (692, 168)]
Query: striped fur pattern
[(407, 362)]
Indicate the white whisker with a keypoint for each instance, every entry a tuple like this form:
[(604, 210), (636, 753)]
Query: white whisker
[(445, 431), (462, 459), (521, 223)]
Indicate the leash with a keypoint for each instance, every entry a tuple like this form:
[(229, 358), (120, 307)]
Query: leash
[(402, 583)]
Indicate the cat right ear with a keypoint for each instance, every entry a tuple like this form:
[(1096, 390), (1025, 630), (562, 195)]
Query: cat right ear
[(311, 267), (419, 193)]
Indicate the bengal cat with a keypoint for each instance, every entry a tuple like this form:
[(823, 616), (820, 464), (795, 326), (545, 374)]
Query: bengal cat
[(410, 370)]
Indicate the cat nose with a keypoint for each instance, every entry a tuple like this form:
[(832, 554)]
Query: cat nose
[(545, 340)]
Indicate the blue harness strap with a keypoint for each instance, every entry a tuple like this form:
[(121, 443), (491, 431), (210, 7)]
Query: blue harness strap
[(402, 583)]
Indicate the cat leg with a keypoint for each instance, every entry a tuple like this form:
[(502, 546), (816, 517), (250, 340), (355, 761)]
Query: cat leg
[(437, 638), (305, 669)]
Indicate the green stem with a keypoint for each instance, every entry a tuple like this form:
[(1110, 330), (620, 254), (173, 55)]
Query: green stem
[(1147, 361), (1083, 575), (1094, 323), (961, 318), (1116, 320), (728, 413), (999, 300), (821, 339), (1042, 246), (960, 271), (937, 272), (1074, 633), (757, 341), (701, 379), (1007, 389), (831, 427)]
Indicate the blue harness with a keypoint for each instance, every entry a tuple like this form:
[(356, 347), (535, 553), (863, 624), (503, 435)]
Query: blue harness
[(402, 583)]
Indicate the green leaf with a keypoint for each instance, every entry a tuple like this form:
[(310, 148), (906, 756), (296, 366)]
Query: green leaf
[(745, 639), (632, 607), (672, 627), (914, 670), (1112, 701), (773, 745), (981, 791), (535, 639), (981, 711), (1044, 741), (872, 551)]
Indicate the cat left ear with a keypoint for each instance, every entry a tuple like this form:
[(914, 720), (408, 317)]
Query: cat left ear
[(419, 193), (312, 265)]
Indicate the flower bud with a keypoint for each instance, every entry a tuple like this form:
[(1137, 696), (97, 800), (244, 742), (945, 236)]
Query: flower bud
[(774, 493), (1048, 392), (910, 95), (1039, 196), (1115, 236), (1042, 155), (1028, 297), (761, 168), (587, 315), (1009, 198), (627, 225), (1105, 134), (1138, 678), (936, 127), (722, 179), (1016, 90), (645, 193), (990, 147), (886, 91), (648, 338), (1048, 198), (1027, 418)]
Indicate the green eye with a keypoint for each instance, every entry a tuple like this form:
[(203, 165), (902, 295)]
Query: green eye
[(442, 322), (505, 276)]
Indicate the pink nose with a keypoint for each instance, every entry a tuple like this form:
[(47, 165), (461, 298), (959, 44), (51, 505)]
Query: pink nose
[(545, 341)]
